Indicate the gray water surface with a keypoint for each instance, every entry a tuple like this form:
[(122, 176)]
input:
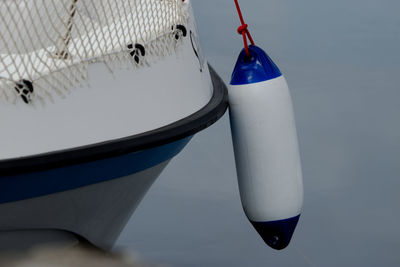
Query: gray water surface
[(342, 62)]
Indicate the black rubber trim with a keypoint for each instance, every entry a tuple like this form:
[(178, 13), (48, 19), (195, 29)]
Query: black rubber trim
[(188, 126)]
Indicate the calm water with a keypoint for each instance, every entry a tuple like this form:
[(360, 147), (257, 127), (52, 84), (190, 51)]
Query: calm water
[(342, 62)]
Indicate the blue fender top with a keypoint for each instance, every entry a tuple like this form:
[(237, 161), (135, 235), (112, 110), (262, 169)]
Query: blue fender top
[(257, 68)]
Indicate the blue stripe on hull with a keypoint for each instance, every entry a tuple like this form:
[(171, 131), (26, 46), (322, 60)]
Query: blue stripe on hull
[(29, 185)]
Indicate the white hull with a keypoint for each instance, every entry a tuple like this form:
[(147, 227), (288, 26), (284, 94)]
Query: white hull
[(131, 100), (96, 213)]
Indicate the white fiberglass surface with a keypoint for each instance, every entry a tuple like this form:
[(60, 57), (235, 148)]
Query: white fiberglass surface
[(115, 105)]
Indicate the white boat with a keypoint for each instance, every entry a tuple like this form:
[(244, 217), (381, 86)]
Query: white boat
[(76, 160), (98, 96)]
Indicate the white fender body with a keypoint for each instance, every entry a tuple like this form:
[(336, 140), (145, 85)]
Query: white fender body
[(266, 150)]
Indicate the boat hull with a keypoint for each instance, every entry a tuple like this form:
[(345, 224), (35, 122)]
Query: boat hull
[(95, 213), (89, 193), (82, 163)]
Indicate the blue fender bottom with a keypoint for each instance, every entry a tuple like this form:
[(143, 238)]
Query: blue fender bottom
[(277, 234)]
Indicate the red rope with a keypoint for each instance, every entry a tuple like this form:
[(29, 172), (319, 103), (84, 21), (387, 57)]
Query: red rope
[(243, 30)]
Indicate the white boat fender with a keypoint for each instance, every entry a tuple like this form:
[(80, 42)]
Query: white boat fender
[(266, 147), (266, 150)]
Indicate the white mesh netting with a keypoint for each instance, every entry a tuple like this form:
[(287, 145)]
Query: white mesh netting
[(46, 45)]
